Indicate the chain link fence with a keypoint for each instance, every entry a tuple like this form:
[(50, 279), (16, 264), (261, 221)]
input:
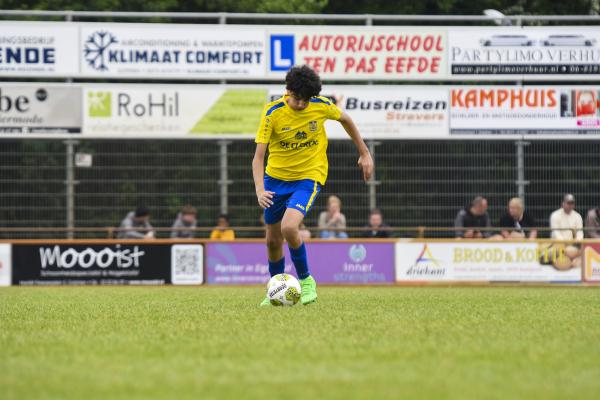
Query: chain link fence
[(418, 183)]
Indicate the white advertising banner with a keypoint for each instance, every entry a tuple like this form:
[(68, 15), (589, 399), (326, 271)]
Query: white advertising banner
[(394, 112), (559, 53), (486, 261), (38, 49), (39, 108), (389, 112), (146, 51), (360, 53), (380, 112), (146, 109), (525, 110), (5, 264), (254, 52)]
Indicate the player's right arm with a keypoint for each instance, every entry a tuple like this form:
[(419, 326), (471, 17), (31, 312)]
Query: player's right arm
[(263, 136), (264, 197), (365, 161)]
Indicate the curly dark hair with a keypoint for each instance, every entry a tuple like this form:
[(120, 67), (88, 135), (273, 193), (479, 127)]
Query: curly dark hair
[(303, 81)]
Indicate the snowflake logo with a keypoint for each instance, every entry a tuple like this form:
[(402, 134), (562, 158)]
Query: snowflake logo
[(95, 49)]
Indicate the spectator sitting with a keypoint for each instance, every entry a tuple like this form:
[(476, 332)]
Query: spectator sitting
[(332, 222), (136, 225), (515, 220), (377, 229), (592, 222), (304, 232), (184, 225), (566, 223), (473, 216), (221, 231)]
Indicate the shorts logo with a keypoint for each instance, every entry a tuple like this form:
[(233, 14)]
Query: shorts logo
[(286, 128), (301, 135), (312, 126), (300, 206)]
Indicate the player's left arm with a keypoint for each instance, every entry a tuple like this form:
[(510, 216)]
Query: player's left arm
[(365, 161)]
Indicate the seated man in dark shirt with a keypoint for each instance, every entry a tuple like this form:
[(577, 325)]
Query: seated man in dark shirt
[(377, 228), (473, 216), (515, 221)]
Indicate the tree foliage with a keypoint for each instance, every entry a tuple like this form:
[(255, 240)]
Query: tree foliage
[(433, 7)]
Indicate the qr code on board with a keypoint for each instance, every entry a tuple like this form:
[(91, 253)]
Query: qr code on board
[(186, 263)]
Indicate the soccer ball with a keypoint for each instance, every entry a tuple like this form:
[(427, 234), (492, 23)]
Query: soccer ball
[(283, 290)]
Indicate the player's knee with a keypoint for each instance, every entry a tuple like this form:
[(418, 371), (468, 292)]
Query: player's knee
[(289, 231), (274, 243)]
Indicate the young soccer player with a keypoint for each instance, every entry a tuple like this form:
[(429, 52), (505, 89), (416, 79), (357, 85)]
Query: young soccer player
[(292, 129)]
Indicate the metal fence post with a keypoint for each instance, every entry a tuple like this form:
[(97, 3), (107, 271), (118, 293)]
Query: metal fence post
[(521, 182), (373, 182), (69, 18), (224, 181), (70, 186)]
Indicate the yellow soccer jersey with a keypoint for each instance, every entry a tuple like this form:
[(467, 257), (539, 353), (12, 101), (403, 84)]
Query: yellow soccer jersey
[(297, 139)]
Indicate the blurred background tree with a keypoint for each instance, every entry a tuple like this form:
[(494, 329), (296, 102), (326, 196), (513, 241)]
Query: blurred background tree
[(433, 7)]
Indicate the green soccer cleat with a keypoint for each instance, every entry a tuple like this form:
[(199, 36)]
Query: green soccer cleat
[(265, 302), (309, 290)]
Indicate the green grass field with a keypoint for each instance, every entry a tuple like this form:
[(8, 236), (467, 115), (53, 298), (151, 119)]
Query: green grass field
[(372, 343)]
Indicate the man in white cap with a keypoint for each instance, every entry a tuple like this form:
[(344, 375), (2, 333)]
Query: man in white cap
[(566, 223)]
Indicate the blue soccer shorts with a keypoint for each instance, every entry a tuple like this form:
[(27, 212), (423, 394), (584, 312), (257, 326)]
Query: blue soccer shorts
[(299, 195)]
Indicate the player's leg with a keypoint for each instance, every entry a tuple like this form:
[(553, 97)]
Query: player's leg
[(290, 227), (272, 217), (275, 249), (275, 253), (298, 205), (291, 232)]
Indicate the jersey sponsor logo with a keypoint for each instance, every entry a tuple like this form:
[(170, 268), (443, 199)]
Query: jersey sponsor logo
[(282, 52), (300, 206), (286, 128), (301, 135), (297, 145), (312, 126)]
